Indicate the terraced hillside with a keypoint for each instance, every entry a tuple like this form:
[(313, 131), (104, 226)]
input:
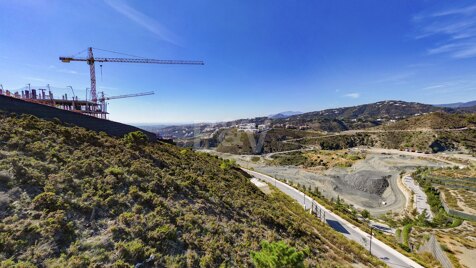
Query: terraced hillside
[(75, 198), (433, 132)]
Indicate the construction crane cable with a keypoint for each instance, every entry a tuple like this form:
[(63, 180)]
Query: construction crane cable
[(130, 55), (79, 53)]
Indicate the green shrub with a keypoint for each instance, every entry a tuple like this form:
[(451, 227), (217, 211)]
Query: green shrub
[(136, 138), (406, 233), (48, 201), (277, 254), (365, 213), (133, 251), (228, 164)]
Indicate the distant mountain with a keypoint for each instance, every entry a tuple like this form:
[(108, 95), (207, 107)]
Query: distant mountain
[(283, 115), (361, 116), (458, 104), (331, 120), (390, 109)]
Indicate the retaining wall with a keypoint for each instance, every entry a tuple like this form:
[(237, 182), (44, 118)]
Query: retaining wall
[(457, 213)]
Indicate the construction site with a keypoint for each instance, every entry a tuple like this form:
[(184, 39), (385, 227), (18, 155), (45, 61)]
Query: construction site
[(93, 104), (90, 112), (45, 96)]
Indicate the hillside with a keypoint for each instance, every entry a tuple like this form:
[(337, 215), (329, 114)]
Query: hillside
[(361, 116), (237, 142), (330, 120), (432, 132), (437, 120), (75, 198)]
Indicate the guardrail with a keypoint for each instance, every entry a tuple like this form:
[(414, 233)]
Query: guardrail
[(457, 213), (434, 248)]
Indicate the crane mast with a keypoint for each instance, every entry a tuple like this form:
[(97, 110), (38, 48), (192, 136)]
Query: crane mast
[(92, 73)]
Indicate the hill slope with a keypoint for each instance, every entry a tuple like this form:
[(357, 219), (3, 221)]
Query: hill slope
[(73, 198), (361, 116), (433, 132), (437, 120)]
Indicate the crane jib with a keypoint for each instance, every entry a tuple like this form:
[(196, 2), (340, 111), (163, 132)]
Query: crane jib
[(89, 60)]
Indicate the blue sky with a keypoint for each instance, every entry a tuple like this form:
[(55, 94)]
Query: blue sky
[(261, 57)]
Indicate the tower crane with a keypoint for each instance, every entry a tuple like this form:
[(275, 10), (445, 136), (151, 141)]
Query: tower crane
[(91, 60), (103, 99)]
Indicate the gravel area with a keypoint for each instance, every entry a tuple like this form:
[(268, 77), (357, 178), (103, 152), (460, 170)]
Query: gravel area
[(369, 184)]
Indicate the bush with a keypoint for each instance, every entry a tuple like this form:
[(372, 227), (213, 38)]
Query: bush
[(227, 164), (365, 213), (136, 138), (277, 254), (48, 201), (133, 251), (406, 234)]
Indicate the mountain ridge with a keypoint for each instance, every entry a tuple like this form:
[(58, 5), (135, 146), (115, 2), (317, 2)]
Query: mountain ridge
[(458, 104)]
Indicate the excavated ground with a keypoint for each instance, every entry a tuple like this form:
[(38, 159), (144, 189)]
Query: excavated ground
[(369, 184)]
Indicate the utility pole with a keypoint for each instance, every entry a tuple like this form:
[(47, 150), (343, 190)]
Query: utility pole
[(370, 248)]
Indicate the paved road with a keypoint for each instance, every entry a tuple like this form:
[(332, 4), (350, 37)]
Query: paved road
[(420, 201), (390, 256)]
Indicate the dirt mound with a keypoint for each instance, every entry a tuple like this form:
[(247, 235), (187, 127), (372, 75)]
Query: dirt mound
[(372, 182)]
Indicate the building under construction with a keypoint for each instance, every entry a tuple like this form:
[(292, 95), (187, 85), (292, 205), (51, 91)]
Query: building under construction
[(44, 95)]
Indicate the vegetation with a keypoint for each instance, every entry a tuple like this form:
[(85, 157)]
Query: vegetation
[(427, 141), (277, 255), (436, 120), (240, 142), (429, 133), (457, 185), (76, 198), (320, 159), (361, 116), (405, 234)]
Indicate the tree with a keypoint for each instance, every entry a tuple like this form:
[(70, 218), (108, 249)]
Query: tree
[(421, 220), (277, 254), (365, 213)]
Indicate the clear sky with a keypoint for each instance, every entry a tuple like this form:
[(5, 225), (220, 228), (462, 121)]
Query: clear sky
[(261, 57)]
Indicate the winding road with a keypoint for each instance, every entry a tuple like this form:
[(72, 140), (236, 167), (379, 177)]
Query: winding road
[(379, 249)]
